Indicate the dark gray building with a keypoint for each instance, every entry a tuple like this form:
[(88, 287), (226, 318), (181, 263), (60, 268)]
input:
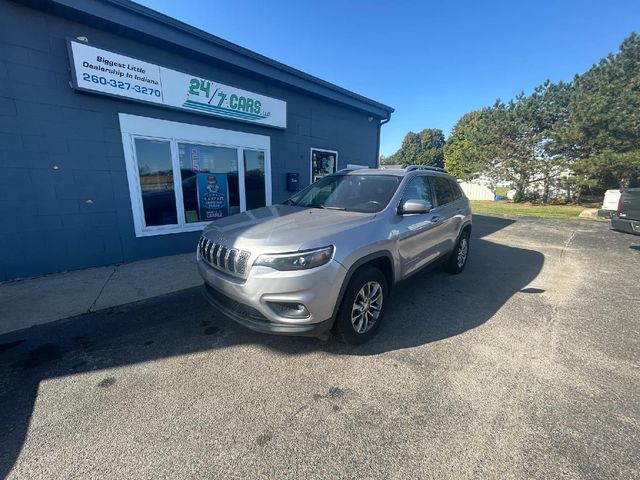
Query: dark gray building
[(123, 132)]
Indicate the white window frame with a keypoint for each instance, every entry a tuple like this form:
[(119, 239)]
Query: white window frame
[(133, 126), (328, 150)]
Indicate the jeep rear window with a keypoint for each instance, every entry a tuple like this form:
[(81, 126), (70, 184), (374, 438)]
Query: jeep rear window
[(356, 193)]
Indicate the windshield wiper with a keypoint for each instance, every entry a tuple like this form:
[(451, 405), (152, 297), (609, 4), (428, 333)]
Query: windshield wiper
[(325, 207), (319, 205)]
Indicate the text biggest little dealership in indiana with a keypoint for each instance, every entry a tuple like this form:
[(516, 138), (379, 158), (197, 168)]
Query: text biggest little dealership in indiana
[(123, 132)]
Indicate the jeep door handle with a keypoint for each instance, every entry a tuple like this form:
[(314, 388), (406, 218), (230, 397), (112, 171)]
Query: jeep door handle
[(435, 219)]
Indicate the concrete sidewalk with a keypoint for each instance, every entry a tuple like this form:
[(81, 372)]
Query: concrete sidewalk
[(24, 303)]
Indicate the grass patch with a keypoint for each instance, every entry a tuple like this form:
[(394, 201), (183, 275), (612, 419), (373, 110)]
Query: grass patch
[(526, 209)]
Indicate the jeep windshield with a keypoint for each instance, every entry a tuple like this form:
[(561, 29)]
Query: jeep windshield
[(356, 193)]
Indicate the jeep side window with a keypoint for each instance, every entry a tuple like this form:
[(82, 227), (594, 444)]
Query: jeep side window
[(444, 192), (418, 189), (457, 191)]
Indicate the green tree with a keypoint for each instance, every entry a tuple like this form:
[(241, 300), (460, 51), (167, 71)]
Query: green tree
[(385, 160), (608, 169), (408, 149), (603, 131), (431, 148), (530, 154), (424, 148), (553, 114), (468, 150), (590, 126), (496, 142), (512, 141)]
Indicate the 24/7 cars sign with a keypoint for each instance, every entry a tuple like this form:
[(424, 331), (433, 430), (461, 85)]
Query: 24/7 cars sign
[(109, 73)]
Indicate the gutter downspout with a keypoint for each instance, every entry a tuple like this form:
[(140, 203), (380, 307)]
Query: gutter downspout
[(385, 120)]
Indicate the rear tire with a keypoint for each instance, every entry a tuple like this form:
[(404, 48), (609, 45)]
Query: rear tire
[(362, 307), (458, 258)]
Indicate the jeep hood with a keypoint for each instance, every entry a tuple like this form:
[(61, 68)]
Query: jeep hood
[(283, 228)]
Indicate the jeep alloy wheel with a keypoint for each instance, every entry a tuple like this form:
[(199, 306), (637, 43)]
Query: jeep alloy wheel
[(367, 307)]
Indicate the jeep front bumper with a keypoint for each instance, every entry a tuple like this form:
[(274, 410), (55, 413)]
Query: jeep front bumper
[(250, 302)]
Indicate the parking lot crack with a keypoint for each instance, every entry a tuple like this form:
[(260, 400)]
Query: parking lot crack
[(95, 301), (566, 279), (567, 243)]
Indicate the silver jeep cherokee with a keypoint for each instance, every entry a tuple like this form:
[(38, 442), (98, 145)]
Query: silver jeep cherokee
[(327, 258)]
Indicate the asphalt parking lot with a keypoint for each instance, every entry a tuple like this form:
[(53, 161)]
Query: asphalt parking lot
[(524, 366)]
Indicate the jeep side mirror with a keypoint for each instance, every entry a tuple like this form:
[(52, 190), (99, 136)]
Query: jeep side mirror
[(413, 207)]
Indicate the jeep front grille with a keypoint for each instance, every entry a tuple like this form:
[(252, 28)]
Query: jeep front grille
[(228, 260)]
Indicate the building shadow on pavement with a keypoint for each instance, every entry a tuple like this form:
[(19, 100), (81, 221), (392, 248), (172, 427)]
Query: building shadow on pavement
[(428, 307)]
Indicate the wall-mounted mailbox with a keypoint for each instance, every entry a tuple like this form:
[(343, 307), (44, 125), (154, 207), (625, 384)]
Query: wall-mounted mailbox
[(292, 182)]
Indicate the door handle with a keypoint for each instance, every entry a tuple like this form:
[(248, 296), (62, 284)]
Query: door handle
[(435, 219)]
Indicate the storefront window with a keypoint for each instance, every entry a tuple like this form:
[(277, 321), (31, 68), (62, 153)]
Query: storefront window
[(209, 177), (183, 176), (254, 178), (323, 162), (155, 170)]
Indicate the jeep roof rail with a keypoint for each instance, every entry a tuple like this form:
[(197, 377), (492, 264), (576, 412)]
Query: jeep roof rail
[(411, 168)]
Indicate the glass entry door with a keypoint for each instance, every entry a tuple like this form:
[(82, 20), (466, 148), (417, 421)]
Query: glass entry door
[(254, 178), (193, 175)]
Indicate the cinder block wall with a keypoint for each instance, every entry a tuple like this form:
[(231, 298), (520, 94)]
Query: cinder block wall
[(64, 197)]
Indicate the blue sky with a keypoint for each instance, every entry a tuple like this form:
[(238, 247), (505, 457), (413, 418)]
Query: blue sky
[(431, 61)]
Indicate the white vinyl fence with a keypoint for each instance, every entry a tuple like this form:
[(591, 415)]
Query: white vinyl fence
[(474, 191)]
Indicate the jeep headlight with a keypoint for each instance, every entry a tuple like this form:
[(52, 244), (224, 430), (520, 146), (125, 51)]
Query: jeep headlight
[(302, 260)]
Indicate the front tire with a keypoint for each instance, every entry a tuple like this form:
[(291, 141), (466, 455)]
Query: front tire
[(362, 307), (458, 259)]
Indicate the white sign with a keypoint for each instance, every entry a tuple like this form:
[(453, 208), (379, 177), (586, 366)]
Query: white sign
[(101, 71)]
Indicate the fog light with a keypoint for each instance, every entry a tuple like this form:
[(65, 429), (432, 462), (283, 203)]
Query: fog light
[(289, 310)]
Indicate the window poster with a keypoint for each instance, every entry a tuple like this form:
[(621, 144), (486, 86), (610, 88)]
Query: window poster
[(322, 163), (213, 196)]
